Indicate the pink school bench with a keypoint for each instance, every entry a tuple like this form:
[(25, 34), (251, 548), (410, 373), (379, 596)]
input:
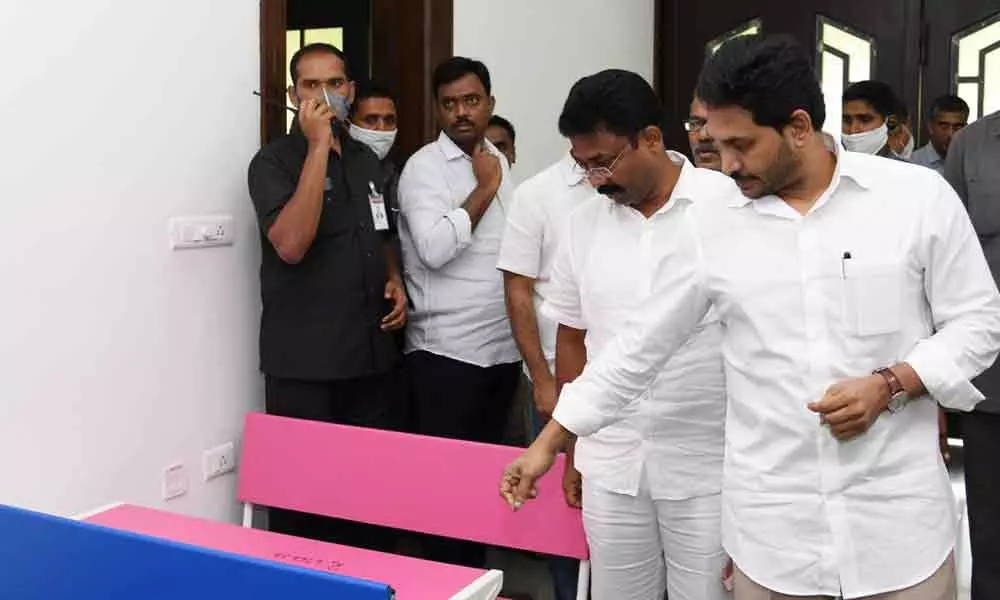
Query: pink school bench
[(415, 483)]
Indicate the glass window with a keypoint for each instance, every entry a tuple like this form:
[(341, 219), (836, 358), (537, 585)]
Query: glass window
[(749, 28), (845, 56), (976, 66)]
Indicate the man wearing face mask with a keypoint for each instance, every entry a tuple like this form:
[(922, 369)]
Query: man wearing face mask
[(873, 121), (330, 283), (373, 123)]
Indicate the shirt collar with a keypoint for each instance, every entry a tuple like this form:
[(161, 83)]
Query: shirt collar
[(452, 152), (932, 153), (848, 165), (684, 189)]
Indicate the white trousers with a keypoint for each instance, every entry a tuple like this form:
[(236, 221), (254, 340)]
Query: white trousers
[(640, 547)]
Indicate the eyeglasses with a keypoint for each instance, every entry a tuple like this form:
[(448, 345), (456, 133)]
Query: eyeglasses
[(603, 172), (694, 124)]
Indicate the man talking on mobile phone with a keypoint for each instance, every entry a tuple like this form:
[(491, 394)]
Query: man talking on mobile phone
[(330, 283)]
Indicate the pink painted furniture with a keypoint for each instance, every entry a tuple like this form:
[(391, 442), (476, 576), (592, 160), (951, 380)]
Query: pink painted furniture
[(412, 579), (416, 483)]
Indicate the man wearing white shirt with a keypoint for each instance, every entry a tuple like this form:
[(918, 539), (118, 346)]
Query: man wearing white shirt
[(537, 217), (461, 359), (535, 222), (651, 482), (853, 293)]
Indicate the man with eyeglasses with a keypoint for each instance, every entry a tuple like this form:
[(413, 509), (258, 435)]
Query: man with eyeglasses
[(461, 359), (649, 485), (854, 297), (704, 150)]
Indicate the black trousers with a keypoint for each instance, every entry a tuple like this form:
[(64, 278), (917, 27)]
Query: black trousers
[(981, 433), (456, 400), (377, 402)]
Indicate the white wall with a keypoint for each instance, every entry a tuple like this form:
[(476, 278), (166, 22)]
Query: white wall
[(119, 356), (537, 49)]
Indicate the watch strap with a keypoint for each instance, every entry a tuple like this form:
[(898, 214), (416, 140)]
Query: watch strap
[(895, 387)]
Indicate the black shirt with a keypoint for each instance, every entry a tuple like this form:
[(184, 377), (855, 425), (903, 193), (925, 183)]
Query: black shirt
[(321, 317)]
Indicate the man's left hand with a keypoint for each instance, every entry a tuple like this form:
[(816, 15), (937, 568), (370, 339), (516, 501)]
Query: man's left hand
[(396, 319), (850, 407)]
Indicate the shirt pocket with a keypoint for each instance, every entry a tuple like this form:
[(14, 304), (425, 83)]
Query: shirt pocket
[(873, 296), (984, 201)]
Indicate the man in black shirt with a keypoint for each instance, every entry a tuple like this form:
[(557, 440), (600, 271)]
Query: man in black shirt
[(330, 283), (374, 123)]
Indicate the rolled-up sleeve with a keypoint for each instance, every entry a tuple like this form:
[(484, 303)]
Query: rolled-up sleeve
[(562, 304), (440, 231), (521, 248), (964, 304), (622, 373)]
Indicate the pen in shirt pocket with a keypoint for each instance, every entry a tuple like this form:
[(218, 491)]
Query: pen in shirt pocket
[(843, 264)]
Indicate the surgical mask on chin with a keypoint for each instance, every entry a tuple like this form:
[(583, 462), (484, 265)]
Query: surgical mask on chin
[(908, 150), (867, 142), (379, 141), (338, 104)]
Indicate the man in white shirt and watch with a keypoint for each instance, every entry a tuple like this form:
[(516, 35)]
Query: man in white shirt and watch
[(853, 294)]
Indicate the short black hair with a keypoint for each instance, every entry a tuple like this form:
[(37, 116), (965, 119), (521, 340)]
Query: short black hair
[(617, 101), (320, 48), (498, 121), (371, 89), (949, 104), (770, 77), (454, 68), (879, 95)]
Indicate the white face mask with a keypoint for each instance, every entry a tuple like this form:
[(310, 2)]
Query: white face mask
[(379, 141), (868, 142), (908, 150)]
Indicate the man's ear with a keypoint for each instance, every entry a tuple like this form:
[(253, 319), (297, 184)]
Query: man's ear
[(350, 93), (799, 127), (292, 96), (493, 105), (652, 138)]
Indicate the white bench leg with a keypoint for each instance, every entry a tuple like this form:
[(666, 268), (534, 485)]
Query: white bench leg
[(248, 515)]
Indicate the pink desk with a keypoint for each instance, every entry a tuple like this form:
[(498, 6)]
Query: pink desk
[(411, 578)]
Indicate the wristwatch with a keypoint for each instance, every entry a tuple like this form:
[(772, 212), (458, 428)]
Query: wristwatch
[(897, 395)]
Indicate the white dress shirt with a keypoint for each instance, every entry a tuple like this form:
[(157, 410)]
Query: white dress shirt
[(450, 268), (604, 272), (535, 222), (803, 513)]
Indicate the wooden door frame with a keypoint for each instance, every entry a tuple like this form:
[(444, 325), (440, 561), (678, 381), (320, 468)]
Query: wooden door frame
[(273, 118), (408, 40)]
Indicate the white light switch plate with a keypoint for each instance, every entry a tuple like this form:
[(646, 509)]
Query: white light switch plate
[(201, 232), (218, 461), (175, 481)]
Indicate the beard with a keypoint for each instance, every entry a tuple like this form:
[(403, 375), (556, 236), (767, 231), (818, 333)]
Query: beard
[(778, 176)]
